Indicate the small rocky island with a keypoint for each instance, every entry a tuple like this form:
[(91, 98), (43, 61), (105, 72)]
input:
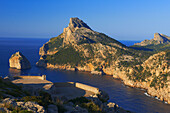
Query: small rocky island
[(19, 61)]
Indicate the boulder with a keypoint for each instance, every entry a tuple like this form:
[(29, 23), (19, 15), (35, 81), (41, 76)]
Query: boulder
[(19, 61)]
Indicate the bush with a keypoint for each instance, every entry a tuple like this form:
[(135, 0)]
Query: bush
[(41, 100), (79, 100), (91, 107)]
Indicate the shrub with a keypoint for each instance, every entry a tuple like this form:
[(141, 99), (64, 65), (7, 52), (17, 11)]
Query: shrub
[(39, 99), (79, 100), (91, 107)]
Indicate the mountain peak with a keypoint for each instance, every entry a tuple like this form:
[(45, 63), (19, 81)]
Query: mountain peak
[(77, 23), (158, 39)]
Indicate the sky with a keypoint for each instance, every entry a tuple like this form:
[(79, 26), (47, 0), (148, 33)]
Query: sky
[(119, 19)]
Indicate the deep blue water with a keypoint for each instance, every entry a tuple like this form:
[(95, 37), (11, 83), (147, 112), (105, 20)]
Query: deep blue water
[(129, 98), (129, 42)]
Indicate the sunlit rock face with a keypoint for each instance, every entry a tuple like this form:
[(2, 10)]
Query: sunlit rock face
[(158, 39), (19, 61)]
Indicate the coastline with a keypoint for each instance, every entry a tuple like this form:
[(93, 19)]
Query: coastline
[(68, 91), (123, 78)]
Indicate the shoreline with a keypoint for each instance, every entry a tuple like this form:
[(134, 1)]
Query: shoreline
[(118, 78)]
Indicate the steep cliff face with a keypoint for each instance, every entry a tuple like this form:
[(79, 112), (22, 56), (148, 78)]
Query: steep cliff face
[(152, 75), (158, 39), (81, 48), (19, 61)]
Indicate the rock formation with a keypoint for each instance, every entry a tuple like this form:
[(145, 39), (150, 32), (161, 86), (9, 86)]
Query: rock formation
[(158, 39), (19, 61), (80, 48)]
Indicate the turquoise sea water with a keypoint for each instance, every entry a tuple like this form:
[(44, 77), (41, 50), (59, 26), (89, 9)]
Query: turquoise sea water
[(129, 98)]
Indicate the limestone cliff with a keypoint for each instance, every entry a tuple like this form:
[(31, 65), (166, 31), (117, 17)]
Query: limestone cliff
[(19, 61), (152, 75), (80, 48), (158, 39)]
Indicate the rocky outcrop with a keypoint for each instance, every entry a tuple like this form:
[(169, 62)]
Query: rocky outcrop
[(10, 105), (19, 61), (158, 39)]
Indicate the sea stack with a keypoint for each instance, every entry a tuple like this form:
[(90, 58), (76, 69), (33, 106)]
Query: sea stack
[(19, 61)]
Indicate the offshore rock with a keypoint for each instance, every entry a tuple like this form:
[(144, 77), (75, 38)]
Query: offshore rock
[(19, 61)]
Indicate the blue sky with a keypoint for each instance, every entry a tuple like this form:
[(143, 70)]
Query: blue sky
[(120, 19)]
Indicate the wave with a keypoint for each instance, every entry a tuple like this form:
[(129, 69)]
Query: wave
[(147, 94), (155, 97)]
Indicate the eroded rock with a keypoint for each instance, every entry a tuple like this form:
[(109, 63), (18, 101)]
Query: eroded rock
[(19, 61)]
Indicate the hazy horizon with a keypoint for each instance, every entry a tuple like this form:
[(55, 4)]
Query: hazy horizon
[(121, 20)]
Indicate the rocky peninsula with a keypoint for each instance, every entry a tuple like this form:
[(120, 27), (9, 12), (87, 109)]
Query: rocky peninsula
[(80, 48), (19, 61)]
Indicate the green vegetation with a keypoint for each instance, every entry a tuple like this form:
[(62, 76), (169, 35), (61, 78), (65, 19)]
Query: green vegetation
[(44, 99), (152, 47), (66, 56), (8, 88), (55, 42), (90, 50), (92, 107), (159, 81), (15, 109), (88, 104), (139, 74), (79, 100)]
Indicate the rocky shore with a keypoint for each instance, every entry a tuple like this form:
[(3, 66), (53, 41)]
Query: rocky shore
[(47, 97)]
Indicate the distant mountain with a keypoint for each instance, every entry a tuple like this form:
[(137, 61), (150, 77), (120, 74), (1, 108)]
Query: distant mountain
[(158, 39), (80, 48)]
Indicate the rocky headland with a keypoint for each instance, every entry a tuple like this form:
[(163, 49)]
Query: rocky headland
[(82, 49), (158, 39), (19, 61)]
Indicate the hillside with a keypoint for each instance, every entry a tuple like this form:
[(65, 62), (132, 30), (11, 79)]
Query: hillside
[(80, 48)]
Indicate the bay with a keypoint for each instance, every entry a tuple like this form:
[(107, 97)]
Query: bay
[(132, 99)]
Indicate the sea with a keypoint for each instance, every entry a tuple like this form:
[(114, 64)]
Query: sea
[(132, 99)]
